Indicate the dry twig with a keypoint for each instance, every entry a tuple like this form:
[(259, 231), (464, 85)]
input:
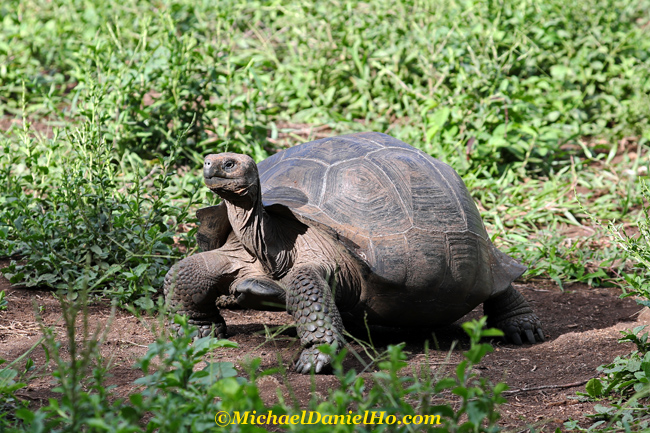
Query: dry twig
[(537, 388)]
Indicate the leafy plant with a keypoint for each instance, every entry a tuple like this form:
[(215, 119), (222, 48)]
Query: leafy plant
[(626, 381), (638, 248), (172, 392), (458, 402), (83, 219), (13, 379), (625, 386), (8, 401), (626, 374), (179, 397), (176, 395)]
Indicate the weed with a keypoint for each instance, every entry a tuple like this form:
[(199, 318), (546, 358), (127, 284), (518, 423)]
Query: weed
[(76, 217), (638, 248), (508, 93), (625, 387), (175, 395), (626, 381)]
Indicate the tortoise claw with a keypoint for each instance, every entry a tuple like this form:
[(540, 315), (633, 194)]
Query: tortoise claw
[(313, 358), (518, 328), (530, 336), (516, 338), (205, 329)]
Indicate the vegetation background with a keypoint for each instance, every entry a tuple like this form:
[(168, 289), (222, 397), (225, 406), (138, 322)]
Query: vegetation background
[(107, 107)]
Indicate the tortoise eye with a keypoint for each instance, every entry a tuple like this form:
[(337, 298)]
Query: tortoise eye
[(228, 165)]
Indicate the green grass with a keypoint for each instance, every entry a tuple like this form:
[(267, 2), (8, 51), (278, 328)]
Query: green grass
[(624, 384), (528, 101), (106, 109)]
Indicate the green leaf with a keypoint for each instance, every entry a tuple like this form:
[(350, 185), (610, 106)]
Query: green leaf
[(560, 72), (594, 388), (492, 332), (144, 303), (445, 383), (26, 415), (436, 121), (140, 269), (98, 423), (645, 365)]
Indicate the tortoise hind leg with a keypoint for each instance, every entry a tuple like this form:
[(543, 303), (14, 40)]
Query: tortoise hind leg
[(193, 285), (311, 303), (510, 312), (260, 293)]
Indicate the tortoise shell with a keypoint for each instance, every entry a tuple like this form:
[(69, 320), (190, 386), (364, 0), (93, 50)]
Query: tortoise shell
[(406, 215)]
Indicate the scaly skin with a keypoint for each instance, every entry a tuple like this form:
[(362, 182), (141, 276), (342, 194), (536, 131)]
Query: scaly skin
[(310, 302), (191, 288), (510, 312)]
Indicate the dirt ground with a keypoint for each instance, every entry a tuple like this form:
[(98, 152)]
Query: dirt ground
[(581, 324)]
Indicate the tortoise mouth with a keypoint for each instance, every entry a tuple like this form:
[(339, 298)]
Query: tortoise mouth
[(218, 184), (227, 187), (214, 181)]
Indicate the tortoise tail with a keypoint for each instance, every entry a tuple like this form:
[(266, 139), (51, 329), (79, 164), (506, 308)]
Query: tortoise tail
[(505, 269)]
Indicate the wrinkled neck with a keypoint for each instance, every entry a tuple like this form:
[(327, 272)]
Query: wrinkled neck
[(255, 229)]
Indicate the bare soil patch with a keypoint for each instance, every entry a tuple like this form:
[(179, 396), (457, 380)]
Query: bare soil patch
[(581, 324)]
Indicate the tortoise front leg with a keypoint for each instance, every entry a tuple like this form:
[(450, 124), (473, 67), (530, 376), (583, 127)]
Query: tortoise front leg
[(311, 303), (193, 286), (510, 312)]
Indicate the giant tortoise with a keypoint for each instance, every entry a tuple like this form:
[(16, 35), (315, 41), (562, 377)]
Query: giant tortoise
[(360, 226)]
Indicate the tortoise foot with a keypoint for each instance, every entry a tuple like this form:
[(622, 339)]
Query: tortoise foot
[(524, 326), (227, 302), (510, 312), (313, 358), (206, 328)]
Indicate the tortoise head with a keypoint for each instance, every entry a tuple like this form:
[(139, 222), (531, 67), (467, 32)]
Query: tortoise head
[(230, 175)]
